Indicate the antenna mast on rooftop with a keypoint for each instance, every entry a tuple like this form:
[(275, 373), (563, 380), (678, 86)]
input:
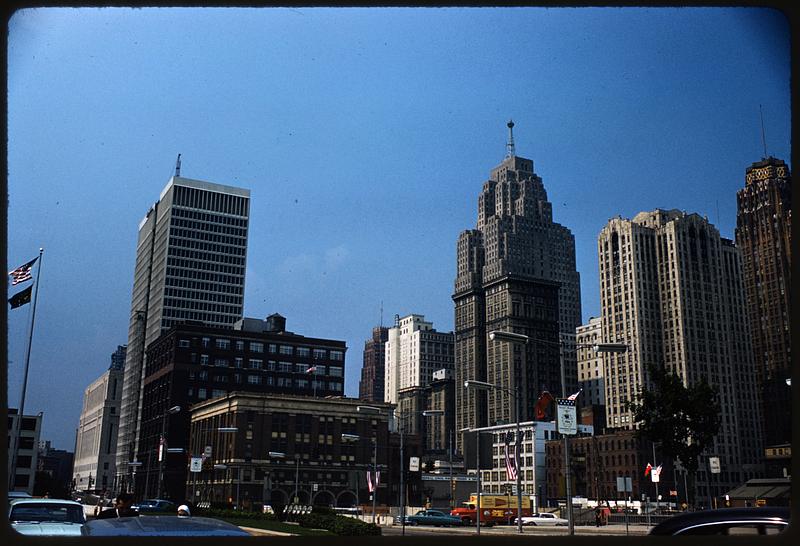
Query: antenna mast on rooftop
[(178, 167), (510, 146), (763, 138)]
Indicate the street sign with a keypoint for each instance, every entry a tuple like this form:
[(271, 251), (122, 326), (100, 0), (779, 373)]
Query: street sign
[(567, 417), (315, 487), (196, 464), (207, 451), (413, 464), (624, 484), (713, 465)]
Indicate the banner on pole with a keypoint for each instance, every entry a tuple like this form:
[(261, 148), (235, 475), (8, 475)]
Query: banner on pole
[(567, 416)]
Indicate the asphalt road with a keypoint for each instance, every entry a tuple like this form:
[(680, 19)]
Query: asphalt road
[(505, 530)]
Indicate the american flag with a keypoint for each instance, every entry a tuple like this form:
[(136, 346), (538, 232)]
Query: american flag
[(312, 369), (162, 448), (511, 465), (574, 396), (22, 273), (370, 484)]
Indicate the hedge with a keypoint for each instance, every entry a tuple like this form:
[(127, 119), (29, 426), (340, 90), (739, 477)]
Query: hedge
[(340, 525)]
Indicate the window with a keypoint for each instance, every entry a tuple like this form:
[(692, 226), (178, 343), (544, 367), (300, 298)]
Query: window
[(221, 362), (204, 360), (284, 366), (256, 364), (256, 347), (302, 383), (300, 368), (319, 353), (254, 379), (223, 343), (337, 355), (203, 376), (237, 362), (304, 352), (273, 348), (201, 393), (206, 342), (335, 371), (239, 345), (286, 349), (183, 343)]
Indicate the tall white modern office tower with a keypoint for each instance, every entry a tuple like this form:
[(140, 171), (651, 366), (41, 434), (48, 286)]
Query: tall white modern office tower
[(414, 351), (190, 265), (671, 289)]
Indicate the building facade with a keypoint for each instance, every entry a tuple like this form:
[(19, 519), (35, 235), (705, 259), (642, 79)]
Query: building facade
[(190, 265), (414, 350), (192, 363), (590, 364), (764, 237), (671, 289), (533, 463), (280, 447), (94, 467), (597, 461), (373, 371), (27, 460), (57, 463), (515, 272)]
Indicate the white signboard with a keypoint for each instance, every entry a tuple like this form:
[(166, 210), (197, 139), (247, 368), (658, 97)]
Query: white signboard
[(413, 464), (713, 465), (196, 465), (624, 484), (315, 487), (207, 451), (567, 417)]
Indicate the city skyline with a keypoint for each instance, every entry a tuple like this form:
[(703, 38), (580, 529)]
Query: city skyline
[(364, 136)]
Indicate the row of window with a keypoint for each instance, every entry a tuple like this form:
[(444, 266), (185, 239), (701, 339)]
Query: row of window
[(285, 382), (258, 347)]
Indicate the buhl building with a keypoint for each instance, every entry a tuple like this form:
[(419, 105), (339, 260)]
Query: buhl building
[(252, 449), (193, 362)]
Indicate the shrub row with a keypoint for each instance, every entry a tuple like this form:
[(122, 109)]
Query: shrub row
[(224, 513), (339, 525)]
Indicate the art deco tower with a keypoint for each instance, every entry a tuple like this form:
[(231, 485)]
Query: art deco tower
[(190, 265), (373, 370), (515, 272), (763, 234), (671, 289)]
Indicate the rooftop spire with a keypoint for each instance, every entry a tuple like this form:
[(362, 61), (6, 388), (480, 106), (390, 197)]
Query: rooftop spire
[(763, 138), (510, 146), (178, 167)]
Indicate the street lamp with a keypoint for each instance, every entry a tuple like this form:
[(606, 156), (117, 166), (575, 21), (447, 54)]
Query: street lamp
[(373, 409), (161, 443), (281, 455), (356, 438), (196, 445), (511, 337), (484, 386), (434, 413)]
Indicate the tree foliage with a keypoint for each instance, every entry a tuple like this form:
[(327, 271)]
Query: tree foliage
[(684, 420)]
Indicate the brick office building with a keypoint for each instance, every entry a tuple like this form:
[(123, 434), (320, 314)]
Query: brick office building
[(191, 363)]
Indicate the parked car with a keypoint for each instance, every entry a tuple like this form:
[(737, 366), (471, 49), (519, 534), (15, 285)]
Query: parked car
[(50, 517), (726, 521), (542, 518), (165, 526), (432, 517), (155, 505)]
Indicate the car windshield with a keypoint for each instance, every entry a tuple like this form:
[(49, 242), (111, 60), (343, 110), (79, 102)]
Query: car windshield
[(47, 512)]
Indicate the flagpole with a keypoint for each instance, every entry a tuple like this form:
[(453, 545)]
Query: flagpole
[(13, 473)]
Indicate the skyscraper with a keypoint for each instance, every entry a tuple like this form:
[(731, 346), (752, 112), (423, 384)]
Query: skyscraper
[(763, 234), (671, 289), (515, 272), (372, 371), (414, 350), (190, 265)]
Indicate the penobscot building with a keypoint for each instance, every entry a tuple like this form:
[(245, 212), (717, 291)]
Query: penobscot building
[(515, 272), (671, 289), (190, 266)]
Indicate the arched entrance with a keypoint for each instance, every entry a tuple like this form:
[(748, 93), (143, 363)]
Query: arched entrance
[(346, 499), (278, 497), (323, 498)]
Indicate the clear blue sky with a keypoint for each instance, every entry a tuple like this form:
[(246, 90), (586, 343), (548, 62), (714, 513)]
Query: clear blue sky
[(365, 136)]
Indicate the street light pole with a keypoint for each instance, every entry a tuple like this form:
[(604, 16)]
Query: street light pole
[(162, 452), (567, 477), (402, 479), (297, 479)]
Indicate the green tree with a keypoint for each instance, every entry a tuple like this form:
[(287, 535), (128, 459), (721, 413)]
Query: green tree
[(683, 420)]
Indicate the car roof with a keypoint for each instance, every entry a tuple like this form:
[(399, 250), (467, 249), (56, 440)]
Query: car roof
[(763, 514), (161, 526), (43, 500)]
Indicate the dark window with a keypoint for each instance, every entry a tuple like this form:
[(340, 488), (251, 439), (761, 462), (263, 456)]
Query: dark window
[(28, 423), (21, 480)]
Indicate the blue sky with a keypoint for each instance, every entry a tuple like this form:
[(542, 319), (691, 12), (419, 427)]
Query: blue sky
[(365, 136)]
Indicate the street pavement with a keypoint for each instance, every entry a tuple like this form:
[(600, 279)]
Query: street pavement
[(506, 530)]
